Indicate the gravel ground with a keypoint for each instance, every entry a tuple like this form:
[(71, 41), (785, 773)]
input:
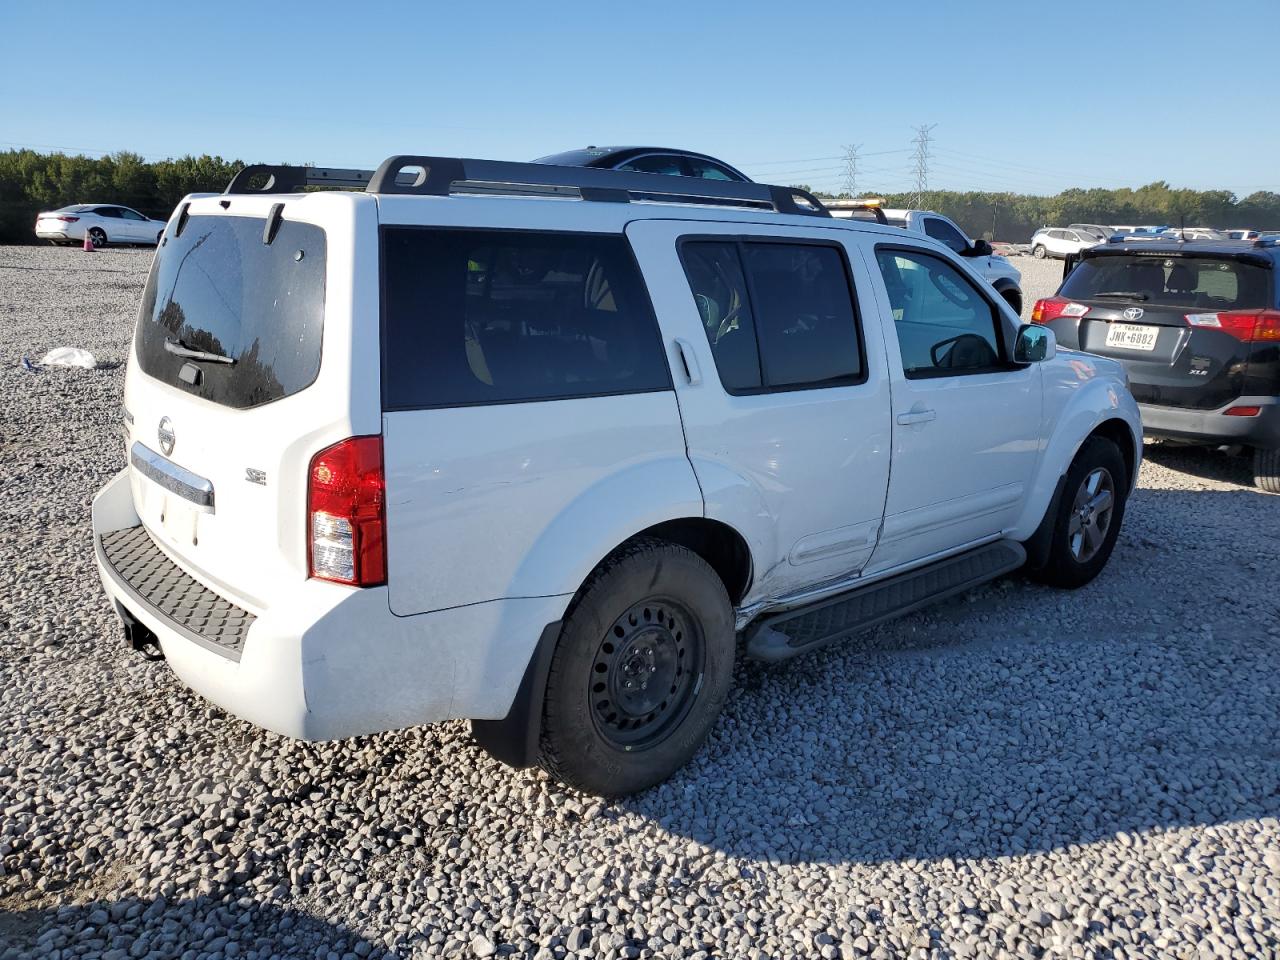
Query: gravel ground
[(1015, 773)]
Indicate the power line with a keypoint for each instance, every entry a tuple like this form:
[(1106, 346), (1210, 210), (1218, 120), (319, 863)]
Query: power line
[(776, 163), (922, 163)]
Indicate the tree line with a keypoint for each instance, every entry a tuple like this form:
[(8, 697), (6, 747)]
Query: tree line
[(31, 182), (1015, 216)]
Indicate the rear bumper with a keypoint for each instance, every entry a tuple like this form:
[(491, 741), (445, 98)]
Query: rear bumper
[(327, 661), (1212, 426)]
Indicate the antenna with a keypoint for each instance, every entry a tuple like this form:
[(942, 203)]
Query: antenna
[(851, 168), (922, 163), (1182, 227)]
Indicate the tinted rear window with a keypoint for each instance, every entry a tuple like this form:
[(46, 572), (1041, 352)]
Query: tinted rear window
[(778, 316), (1198, 282), (489, 316), (218, 288)]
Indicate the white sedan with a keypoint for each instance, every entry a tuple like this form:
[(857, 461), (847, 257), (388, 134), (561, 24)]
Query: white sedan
[(104, 223)]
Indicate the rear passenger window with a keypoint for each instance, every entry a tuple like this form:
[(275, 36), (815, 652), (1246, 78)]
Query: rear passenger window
[(778, 316), (720, 293), (653, 163), (708, 170), (487, 316)]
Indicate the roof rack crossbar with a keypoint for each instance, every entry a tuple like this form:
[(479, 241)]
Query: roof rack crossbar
[(442, 176), (266, 178)]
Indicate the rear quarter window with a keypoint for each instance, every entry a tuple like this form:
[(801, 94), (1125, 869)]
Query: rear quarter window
[(495, 316)]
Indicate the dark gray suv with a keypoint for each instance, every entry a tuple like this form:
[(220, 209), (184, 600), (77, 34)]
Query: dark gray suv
[(1196, 325)]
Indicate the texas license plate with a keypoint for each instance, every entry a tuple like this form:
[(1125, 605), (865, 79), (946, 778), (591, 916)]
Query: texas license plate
[(1132, 336)]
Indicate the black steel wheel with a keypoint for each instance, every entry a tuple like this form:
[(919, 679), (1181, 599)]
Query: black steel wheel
[(640, 671), (645, 669)]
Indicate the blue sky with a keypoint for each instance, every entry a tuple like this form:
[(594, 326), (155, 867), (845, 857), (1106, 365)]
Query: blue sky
[(1029, 96)]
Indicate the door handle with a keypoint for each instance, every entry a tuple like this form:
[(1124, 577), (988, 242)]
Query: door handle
[(917, 416), (690, 361)]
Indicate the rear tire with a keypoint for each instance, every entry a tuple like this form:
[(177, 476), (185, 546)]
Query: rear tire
[(1088, 517), (1039, 252), (640, 672), (1266, 470), (97, 237)]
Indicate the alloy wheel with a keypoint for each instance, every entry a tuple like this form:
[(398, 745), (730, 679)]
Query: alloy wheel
[(1091, 515)]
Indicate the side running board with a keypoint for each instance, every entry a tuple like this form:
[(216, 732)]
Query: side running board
[(798, 631)]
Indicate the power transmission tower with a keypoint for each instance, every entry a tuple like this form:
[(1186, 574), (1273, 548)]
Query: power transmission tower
[(851, 168), (922, 163)]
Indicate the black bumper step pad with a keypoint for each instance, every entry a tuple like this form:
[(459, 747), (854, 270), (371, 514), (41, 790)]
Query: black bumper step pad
[(164, 589)]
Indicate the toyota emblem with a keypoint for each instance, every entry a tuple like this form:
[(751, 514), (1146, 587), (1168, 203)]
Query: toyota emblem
[(166, 436), (1133, 313)]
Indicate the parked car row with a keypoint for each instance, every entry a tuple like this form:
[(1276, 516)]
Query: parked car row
[(399, 456), (1062, 242)]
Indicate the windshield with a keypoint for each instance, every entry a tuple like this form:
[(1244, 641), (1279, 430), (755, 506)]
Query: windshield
[(1198, 282), (230, 318)]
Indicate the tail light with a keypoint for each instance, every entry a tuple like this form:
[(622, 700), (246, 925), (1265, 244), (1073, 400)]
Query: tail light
[(50, 216), (1051, 308), (1242, 412), (1247, 325), (346, 513)]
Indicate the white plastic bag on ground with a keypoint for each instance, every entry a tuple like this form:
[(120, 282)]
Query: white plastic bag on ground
[(69, 357)]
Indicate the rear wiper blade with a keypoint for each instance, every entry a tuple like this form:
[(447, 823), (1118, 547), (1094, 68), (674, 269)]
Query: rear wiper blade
[(1119, 295), (180, 349)]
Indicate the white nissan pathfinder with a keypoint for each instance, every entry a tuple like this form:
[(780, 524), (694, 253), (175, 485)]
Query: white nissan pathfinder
[(548, 447)]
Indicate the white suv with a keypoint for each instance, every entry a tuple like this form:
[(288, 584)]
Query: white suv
[(1061, 242), (547, 448)]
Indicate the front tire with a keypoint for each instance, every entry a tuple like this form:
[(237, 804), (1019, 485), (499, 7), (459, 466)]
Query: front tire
[(1039, 252), (1088, 517), (1266, 470), (97, 237), (640, 672)]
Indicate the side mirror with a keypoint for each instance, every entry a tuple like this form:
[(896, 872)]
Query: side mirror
[(1034, 344), (979, 248)]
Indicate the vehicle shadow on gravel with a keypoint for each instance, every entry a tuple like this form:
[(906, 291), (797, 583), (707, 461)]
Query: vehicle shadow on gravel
[(1016, 718), (1202, 462), (138, 927)]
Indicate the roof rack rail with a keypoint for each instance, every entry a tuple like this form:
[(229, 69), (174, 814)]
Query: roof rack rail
[(442, 176), (266, 178)]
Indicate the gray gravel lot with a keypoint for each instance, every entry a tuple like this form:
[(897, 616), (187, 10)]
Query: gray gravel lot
[(1016, 773)]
